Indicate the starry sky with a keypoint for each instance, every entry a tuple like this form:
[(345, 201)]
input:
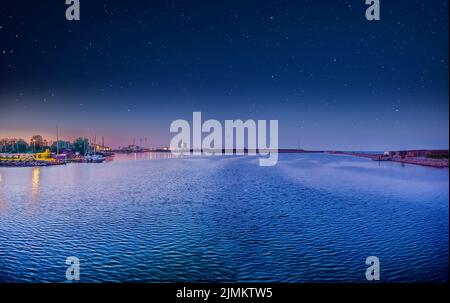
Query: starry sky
[(127, 69)]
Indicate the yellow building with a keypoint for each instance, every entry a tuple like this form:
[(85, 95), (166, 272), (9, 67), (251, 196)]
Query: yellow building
[(45, 156)]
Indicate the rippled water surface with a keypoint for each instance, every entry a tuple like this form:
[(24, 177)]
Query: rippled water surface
[(311, 218)]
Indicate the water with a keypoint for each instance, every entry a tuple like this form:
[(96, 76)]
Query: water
[(311, 218)]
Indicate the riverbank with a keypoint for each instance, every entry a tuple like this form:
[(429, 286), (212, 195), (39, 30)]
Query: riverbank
[(9, 163)]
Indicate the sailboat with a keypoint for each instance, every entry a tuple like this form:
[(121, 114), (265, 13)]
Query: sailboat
[(90, 157)]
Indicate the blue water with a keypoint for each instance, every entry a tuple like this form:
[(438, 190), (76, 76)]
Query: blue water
[(311, 218)]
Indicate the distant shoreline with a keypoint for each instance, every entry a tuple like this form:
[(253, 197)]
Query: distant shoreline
[(415, 157), (406, 157), (429, 158)]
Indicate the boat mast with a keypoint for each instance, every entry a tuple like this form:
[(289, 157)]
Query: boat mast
[(57, 140)]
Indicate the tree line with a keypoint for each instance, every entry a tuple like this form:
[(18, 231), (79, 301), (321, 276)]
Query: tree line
[(38, 144)]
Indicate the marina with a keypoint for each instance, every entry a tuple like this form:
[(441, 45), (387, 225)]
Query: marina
[(30, 160), (57, 153)]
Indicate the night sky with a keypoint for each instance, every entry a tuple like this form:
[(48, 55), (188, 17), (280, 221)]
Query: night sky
[(129, 68)]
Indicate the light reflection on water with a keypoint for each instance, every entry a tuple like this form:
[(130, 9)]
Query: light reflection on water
[(142, 156), (35, 176), (147, 217)]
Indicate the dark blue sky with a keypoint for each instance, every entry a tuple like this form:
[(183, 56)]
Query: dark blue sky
[(128, 68)]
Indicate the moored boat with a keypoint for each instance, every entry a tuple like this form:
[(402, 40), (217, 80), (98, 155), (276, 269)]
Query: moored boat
[(94, 159)]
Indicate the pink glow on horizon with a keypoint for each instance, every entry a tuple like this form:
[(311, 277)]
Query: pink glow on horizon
[(111, 141)]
